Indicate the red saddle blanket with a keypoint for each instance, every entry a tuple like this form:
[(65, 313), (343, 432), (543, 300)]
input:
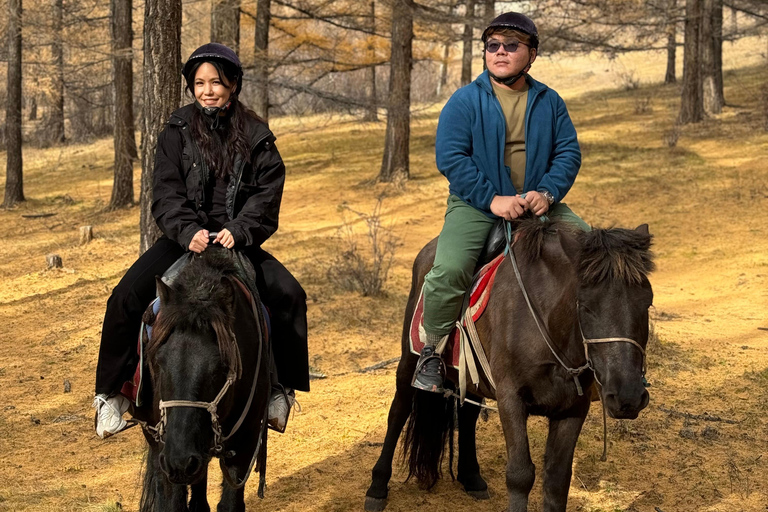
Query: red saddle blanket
[(479, 293)]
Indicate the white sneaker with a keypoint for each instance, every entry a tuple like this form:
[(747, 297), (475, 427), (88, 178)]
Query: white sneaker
[(280, 407), (109, 414)]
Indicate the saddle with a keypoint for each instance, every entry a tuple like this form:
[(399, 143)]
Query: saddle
[(462, 349), (132, 389)]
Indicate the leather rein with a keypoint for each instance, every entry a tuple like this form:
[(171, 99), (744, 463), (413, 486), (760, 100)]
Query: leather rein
[(573, 372), (158, 431)]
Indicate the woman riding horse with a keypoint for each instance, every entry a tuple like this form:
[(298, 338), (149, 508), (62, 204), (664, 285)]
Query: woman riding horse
[(216, 170)]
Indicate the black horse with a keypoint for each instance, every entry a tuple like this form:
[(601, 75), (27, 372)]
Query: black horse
[(208, 358), (575, 313)]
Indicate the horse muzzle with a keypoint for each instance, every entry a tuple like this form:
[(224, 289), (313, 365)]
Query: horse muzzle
[(184, 469), (625, 406)]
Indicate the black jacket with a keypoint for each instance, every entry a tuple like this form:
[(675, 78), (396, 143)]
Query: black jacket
[(253, 194)]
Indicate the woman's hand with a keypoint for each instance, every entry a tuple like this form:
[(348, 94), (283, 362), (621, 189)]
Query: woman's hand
[(508, 207), (199, 241), (225, 238)]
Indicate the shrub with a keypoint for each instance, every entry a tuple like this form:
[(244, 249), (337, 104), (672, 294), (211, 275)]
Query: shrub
[(363, 261)]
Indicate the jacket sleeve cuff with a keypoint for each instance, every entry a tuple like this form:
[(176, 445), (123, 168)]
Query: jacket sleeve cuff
[(186, 235), (238, 234)]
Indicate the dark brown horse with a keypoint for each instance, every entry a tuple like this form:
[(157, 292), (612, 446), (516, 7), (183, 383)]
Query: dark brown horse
[(210, 385), (590, 294)]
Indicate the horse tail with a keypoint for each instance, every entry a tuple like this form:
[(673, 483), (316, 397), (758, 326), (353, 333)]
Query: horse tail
[(151, 470), (430, 426)]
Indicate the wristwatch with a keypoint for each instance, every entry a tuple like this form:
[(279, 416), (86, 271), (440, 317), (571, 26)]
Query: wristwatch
[(548, 196)]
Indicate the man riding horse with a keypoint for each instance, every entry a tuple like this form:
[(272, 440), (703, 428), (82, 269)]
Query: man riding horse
[(507, 145)]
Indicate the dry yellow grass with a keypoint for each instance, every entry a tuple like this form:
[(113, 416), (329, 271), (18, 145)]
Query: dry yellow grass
[(703, 199)]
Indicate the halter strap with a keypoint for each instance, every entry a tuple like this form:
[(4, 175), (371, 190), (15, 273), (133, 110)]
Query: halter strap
[(158, 431), (574, 372)]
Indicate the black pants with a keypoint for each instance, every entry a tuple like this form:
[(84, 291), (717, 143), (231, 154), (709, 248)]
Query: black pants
[(279, 291)]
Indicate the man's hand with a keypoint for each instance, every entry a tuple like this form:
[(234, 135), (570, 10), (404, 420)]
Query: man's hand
[(509, 207), (537, 203), (199, 241), (225, 238)]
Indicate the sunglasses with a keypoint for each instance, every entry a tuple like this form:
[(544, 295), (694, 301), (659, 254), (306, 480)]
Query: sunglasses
[(510, 47)]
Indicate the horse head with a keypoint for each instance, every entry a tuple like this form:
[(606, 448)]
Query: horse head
[(193, 360), (613, 299)]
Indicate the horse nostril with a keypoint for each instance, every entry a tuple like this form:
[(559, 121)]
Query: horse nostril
[(193, 465), (163, 463)]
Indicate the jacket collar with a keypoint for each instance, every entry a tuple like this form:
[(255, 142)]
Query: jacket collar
[(484, 82), (257, 131)]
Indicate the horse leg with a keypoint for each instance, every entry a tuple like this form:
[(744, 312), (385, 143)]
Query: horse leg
[(158, 494), (232, 500), (376, 496), (469, 469), (521, 471), (198, 501), (170, 496), (558, 461)]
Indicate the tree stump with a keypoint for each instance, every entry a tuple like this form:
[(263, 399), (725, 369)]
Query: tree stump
[(53, 261), (86, 234)]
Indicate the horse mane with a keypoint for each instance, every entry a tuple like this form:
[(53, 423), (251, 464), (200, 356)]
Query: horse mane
[(202, 298), (531, 233), (615, 254)]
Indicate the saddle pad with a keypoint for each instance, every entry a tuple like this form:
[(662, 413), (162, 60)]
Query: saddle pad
[(479, 293), (132, 388)]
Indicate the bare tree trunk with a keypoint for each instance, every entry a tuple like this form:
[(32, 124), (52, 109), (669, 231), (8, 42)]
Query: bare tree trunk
[(261, 64), (669, 77), (466, 58), (489, 10), (33, 108), (395, 162), (489, 13), (765, 99), (225, 23), (443, 69), (765, 105), (371, 114), (124, 132), (692, 105), (712, 56), (162, 92), (14, 178), (56, 121), (734, 21)]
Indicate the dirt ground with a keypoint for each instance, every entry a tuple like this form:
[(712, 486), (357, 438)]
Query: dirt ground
[(704, 199)]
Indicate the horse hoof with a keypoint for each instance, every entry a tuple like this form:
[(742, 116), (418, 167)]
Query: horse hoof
[(480, 495), (375, 504)]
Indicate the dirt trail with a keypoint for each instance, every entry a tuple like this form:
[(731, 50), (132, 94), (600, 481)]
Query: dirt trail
[(703, 200)]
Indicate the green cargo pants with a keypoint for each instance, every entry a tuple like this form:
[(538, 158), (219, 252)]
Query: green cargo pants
[(458, 247)]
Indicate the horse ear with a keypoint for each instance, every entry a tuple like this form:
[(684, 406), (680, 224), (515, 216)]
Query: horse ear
[(643, 229), (163, 290)]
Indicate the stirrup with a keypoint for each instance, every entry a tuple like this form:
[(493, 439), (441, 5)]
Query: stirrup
[(441, 372)]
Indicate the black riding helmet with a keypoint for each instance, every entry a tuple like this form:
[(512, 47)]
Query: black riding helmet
[(516, 21), (218, 52)]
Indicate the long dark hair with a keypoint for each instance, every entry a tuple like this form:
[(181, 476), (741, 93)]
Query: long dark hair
[(221, 146)]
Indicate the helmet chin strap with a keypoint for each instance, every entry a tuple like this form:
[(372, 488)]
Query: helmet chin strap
[(512, 79), (213, 115)]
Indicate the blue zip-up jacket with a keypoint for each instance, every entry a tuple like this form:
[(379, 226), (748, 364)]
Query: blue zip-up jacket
[(471, 134)]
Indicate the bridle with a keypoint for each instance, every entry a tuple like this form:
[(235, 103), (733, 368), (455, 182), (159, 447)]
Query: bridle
[(158, 431), (593, 341), (573, 372)]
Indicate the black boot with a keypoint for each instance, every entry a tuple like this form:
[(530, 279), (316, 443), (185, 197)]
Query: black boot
[(430, 371)]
